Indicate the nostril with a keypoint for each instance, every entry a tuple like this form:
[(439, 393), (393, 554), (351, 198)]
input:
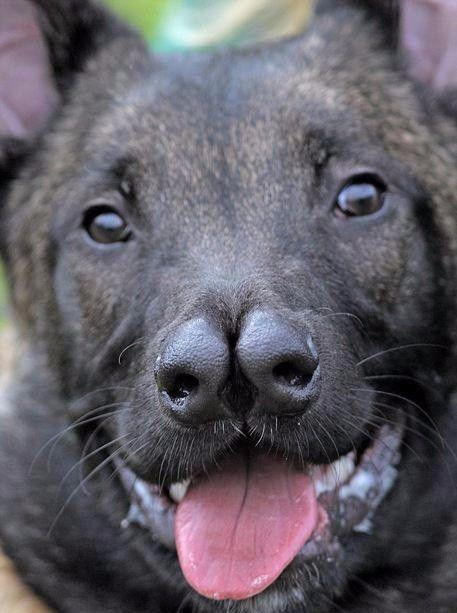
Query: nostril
[(190, 372), (292, 375), (182, 386)]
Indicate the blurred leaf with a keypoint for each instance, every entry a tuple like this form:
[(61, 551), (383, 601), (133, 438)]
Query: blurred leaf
[(143, 14)]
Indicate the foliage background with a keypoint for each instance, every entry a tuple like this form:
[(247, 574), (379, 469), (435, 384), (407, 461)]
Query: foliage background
[(143, 14)]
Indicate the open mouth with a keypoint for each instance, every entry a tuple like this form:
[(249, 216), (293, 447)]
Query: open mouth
[(238, 528)]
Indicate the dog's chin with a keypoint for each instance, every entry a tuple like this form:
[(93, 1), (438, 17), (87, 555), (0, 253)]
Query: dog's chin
[(346, 494)]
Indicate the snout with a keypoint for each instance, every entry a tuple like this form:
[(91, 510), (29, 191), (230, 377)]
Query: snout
[(275, 359)]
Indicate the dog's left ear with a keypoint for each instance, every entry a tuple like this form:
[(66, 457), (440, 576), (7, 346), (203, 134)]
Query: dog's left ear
[(428, 36), (427, 39)]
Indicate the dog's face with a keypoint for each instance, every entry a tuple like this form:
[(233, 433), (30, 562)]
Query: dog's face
[(235, 262)]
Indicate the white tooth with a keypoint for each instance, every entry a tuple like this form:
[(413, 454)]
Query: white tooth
[(177, 491), (328, 477), (344, 468), (323, 482)]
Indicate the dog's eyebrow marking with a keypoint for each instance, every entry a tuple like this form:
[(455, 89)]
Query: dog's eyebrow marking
[(126, 188), (120, 173), (121, 168), (318, 148)]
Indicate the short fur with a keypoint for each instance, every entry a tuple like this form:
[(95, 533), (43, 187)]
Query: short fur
[(228, 166)]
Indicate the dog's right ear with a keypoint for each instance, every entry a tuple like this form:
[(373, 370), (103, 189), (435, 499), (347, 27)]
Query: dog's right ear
[(28, 94), (43, 45)]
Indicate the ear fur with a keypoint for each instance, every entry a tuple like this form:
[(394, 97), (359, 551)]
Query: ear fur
[(426, 34), (43, 44)]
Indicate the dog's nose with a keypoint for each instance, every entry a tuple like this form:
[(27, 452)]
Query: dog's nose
[(280, 361), (191, 371)]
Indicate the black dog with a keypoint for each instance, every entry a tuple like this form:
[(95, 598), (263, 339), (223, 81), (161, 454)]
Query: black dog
[(233, 278)]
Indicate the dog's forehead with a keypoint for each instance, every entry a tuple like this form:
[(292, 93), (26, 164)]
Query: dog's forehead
[(229, 142), (228, 123), (221, 172), (229, 97)]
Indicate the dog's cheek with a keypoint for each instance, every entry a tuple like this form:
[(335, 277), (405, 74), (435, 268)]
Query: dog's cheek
[(374, 264), (87, 303)]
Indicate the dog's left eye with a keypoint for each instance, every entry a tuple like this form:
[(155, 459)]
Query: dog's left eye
[(363, 195), (105, 225)]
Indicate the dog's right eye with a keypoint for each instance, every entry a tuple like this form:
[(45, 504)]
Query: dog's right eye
[(105, 225)]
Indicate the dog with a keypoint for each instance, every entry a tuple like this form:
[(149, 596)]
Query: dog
[(233, 285)]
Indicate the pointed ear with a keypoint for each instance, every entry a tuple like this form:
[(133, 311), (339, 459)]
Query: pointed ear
[(43, 43), (426, 32), (428, 35), (27, 90)]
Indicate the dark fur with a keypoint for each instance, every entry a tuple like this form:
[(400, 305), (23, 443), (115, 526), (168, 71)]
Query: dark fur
[(234, 161)]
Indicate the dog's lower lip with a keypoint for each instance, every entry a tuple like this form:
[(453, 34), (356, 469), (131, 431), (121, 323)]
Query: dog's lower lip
[(348, 495)]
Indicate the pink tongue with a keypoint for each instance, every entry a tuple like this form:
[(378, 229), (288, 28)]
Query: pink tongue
[(237, 530)]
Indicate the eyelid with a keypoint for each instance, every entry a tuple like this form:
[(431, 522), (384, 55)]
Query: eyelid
[(366, 176), (112, 198)]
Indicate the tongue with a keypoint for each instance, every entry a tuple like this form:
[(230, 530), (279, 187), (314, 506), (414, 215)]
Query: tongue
[(237, 530)]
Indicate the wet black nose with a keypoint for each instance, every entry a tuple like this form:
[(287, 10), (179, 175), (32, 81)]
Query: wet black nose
[(280, 361), (191, 371)]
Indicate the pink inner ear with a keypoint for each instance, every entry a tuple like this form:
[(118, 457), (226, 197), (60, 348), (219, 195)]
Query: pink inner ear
[(429, 39), (28, 94)]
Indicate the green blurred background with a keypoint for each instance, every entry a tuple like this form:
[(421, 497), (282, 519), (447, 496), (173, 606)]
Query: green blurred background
[(2, 298), (143, 14)]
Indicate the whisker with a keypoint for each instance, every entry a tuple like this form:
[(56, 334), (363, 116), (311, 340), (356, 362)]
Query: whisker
[(404, 399), (439, 448), (99, 390), (134, 344), (300, 452), (400, 348), (77, 489), (79, 423), (261, 436), (414, 418), (87, 457), (89, 442), (394, 377), (369, 422), (76, 424), (410, 429), (351, 315)]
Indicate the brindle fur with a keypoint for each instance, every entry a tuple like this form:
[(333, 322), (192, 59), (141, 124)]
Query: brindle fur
[(233, 160)]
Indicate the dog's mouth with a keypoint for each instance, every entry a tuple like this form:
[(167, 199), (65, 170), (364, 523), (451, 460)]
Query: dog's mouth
[(238, 528)]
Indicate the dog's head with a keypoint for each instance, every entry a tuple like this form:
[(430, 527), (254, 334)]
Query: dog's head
[(244, 264)]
